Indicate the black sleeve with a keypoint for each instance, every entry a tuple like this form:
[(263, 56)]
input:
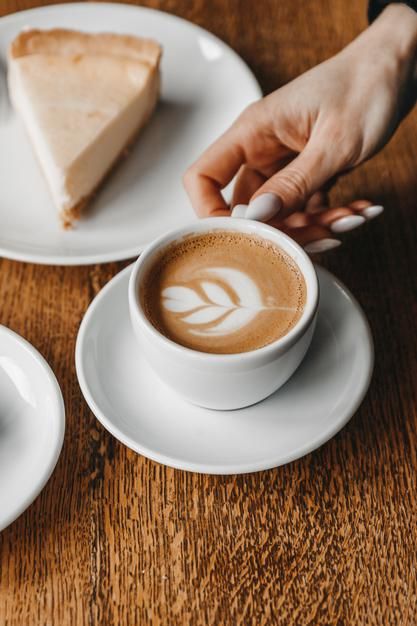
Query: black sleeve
[(377, 6)]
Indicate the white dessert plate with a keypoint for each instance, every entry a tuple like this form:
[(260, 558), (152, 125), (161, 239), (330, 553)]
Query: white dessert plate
[(205, 85), (32, 424), (130, 401)]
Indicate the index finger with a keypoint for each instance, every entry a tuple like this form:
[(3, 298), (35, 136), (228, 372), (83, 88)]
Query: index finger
[(215, 168)]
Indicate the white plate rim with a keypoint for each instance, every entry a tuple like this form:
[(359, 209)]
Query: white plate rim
[(132, 251), (221, 469), (52, 453)]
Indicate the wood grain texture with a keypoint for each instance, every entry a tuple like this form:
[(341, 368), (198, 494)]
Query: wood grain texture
[(327, 540)]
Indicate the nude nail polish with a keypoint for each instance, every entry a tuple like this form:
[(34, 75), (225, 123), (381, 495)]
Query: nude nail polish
[(347, 223), (322, 245), (263, 207)]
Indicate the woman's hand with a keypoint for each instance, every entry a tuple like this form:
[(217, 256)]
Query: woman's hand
[(288, 147)]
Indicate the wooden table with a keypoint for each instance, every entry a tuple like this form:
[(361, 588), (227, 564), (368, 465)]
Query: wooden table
[(329, 539)]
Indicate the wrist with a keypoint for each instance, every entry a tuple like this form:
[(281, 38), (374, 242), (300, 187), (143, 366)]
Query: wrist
[(396, 31), (389, 44), (383, 58)]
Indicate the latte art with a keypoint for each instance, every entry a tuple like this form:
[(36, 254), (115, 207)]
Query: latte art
[(223, 292), (216, 311)]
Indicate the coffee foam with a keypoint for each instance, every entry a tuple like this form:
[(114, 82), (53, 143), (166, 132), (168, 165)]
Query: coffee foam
[(223, 292)]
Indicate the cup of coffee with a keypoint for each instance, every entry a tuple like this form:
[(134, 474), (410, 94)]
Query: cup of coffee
[(224, 310)]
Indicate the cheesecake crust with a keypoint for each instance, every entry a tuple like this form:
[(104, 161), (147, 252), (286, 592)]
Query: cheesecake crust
[(60, 41)]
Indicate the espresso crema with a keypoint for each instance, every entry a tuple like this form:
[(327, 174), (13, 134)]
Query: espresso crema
[(223, 292)]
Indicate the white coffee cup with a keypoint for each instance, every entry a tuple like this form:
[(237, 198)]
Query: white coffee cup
[(225, 381)]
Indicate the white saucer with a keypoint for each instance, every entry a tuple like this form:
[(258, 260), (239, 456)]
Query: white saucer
[(130, 401), (144, 196), (32, 424)]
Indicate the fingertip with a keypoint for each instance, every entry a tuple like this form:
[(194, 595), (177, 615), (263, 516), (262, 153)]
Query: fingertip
[(299, 219), (322, 245), (304, 235), (264, 207), (367, 208), (347, 223), (239, 210), (359, 205), (331, 215), (373, 211), (217, 213)]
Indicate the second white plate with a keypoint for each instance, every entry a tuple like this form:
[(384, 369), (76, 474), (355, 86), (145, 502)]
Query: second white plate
[(205, 85), (32, 424)]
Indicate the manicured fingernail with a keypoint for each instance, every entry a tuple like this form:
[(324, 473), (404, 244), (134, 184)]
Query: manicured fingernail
[(344, 224), (239, 210), (373, 211), (263, 208), (322, 245)]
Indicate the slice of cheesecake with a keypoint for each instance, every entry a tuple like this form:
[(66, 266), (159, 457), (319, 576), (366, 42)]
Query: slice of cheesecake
[(83, 98)]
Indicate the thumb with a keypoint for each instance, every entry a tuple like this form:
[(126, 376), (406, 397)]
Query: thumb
[(289, 189)]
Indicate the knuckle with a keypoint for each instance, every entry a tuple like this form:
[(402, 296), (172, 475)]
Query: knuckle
[(248, 114), (347, 151), (294, 182), (250, 109), (343, 141), (189, 176), (350, 153)]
